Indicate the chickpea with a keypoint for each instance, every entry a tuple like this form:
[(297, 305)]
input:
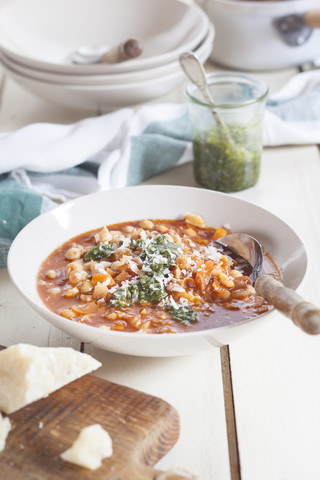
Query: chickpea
[(190, 232), (162, 229), (86, 287), (74, 252), (100, 291), (85, 298), (147, 224), (77, 276), (105, 235), (55, 291), (52, 274), (225, 280), (68, 313), (195, 220), (71, 292)]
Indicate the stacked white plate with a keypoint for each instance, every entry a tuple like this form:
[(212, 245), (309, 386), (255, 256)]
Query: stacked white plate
[(39, 40)]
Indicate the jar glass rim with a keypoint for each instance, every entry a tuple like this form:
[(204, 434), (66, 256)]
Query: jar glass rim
[(228, 77)]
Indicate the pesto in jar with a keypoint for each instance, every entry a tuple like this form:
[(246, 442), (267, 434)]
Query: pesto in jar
[(224, 167)]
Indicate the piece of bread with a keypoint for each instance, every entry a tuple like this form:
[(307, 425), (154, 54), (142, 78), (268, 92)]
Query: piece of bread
[(90, 448), (28, 373)]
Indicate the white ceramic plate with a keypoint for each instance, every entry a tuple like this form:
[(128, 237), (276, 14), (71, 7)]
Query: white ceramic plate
[(44, 33), (45, 233), (107, 79), (107, 97)]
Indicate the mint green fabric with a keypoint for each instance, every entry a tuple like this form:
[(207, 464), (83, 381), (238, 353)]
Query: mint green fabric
[(17, 208), (19, 204), (151, 147), (302, 108), (158, 149)]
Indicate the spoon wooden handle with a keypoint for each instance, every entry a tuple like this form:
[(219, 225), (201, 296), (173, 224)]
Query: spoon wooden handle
[(125, 51), (312, 18), (304, 314)]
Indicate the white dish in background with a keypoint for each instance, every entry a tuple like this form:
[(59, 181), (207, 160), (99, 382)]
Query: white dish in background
[(50, 230), (107, 79), (47, 38), (95, 98), (110, 96), (246, 38)]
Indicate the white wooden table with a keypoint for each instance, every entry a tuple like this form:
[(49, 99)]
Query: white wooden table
[(252, 410)]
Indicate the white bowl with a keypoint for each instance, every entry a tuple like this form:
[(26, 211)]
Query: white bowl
[(110, 96), (43, 34), (106, 79), (48, 231)]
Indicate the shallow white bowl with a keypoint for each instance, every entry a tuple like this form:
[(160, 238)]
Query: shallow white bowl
[(44, 33), (110, 96), (105, 79), (45, 233)]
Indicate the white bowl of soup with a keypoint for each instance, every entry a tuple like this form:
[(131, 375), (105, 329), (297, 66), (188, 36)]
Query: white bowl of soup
[(139, 270)]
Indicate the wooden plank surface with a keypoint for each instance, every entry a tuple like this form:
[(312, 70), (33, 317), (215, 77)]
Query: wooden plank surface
[(19, 323), (233, 445), (193, 386), (276, 370), (143, 429)]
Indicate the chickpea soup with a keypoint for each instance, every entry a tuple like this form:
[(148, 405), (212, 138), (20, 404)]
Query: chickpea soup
[(152, 276)]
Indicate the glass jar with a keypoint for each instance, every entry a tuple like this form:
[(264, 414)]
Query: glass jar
[(227, 135)]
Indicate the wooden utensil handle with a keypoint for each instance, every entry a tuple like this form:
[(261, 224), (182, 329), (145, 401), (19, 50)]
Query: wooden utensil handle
[(130, 49), (290, 303), (312, 18)]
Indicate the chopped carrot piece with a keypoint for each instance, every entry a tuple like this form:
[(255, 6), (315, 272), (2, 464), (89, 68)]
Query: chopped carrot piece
[(203, 275), (123, 275), (220, 232), (208, 266), (111, 272), (102, 277)]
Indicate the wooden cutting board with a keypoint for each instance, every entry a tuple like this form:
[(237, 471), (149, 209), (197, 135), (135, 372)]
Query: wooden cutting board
[(143, 429)]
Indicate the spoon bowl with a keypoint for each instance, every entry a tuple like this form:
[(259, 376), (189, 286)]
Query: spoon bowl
[(287, 301), (247, 247)]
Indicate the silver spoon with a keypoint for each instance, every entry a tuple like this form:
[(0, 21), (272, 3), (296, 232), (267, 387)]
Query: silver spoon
[(195, 72), (127, 50), (287, 301)]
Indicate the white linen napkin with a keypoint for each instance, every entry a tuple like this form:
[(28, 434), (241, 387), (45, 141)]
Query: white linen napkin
[(123, 148), (292, 116)]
